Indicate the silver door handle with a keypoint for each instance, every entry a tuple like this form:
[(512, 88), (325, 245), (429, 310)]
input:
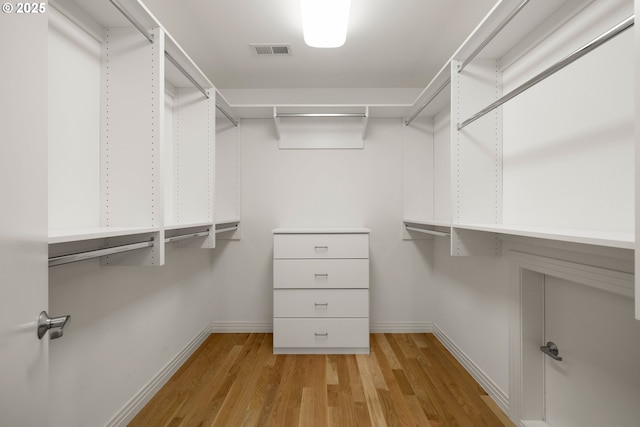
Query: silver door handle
[(321, 247), (551, 350), (321, 274), (46, 323)]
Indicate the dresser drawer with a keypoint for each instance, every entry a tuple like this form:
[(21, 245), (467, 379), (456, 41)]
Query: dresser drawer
[(321, 273), (321, 303), (319, 333), (320, 246)]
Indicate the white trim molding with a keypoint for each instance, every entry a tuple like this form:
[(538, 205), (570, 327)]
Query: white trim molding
[(240, 326), (137, 402), (374, 327), (400, 327), (494, 391)]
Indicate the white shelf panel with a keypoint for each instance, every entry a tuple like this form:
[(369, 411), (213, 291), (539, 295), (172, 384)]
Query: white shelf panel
[(429, 222), (78, 234), (612, 239), (321, 231), (227, 221), (263, 111), (187, 225)]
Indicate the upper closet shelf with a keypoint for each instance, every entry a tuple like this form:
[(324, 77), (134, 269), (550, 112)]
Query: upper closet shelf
[(223, 106), (94, 16), (434, 97), (513, 27), (623, 240), (321, 112)]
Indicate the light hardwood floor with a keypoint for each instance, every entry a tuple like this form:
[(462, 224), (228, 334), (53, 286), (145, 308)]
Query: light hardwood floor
[(236, 380)]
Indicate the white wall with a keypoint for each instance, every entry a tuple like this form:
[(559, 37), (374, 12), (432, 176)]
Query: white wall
[(127, 323), (321, 188), (568, 142), (472, 308)]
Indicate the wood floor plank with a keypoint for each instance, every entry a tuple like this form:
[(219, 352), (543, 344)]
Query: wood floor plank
[(332, 369), (381, 339), (497, 411), (396, 410), (464, 389), (371, 395), (236, 403), (355, 381), (236, 380)]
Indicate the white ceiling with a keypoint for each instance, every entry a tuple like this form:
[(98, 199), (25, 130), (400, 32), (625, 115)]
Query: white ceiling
[(390, 44)]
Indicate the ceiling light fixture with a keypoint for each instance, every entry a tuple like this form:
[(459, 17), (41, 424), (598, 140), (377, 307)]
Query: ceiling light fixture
[(324, 22)]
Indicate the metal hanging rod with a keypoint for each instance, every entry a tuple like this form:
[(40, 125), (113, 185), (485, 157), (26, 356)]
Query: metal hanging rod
[(131, 19), (222, 230), (597, 42), (227, 115), (417, 113), (66, 259), (186, 73), (186, 236), (149, 37), (360, 115), (494, 33), (427, 231)]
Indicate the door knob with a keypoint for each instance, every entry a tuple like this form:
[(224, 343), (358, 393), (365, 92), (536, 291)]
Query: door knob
[(46, 323), (551, 350)]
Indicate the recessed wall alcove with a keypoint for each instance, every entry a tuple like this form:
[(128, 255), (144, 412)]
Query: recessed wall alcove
[(566, 302)]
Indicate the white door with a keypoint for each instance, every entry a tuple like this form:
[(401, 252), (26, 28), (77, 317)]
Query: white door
[(23, 217), (597, 383)]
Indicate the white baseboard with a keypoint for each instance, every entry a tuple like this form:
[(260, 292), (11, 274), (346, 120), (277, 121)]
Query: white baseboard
[(241, 326), (375, 327), (400, 327), (496, 393), (131, 409)]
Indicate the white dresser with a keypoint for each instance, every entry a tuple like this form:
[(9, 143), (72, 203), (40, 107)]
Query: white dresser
[(321, 291)]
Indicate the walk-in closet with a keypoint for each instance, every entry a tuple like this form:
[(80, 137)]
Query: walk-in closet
[(212, 218)]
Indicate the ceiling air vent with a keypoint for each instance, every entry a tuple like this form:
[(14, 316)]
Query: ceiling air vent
[(271, 49)]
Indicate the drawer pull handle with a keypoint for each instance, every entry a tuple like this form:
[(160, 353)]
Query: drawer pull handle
[(322, 247), (321, 274), (325, 334), (321, 304)]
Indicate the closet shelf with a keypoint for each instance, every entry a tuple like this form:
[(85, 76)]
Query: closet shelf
[(265, 111), (622, 240), (223, 227), (188, 225), (434, 97), (228, 221), (79, 234), (428, 222)]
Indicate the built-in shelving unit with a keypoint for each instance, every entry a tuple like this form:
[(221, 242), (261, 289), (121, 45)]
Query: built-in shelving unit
[(189, 147), (128, 111), (227, 171), (553, 161)]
